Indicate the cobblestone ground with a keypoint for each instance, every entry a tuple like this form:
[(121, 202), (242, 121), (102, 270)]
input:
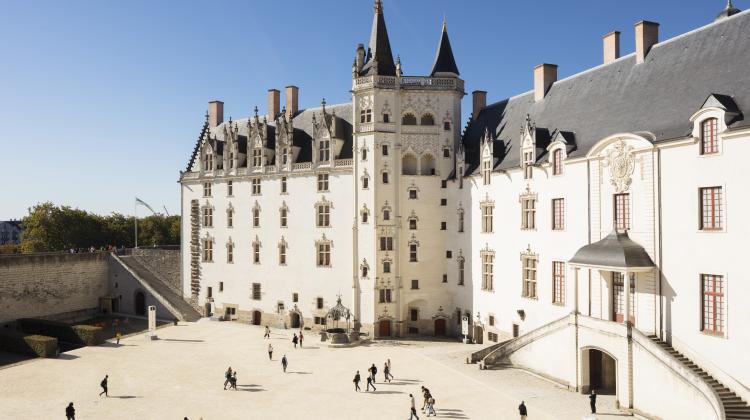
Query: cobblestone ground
[(182, 375)]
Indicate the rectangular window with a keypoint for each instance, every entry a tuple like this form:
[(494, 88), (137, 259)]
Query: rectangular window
[(324, 215), (282, 254), (221, 286), (230, 253), (413, 315), (256, 186), (386, 266), (257, 157), (412, 194), (492, 320), (711, 208), (445, 278), (319, 303), (230, 188), (208, 217), (618, 298), (488, 259), (443, 184), (713, 304), (256, 291), (558, 213), (461, 269), (208, 250), (558, 283), (256, 253), (448, 254), (709, 141), (461, 221), (412, 252), (295, 297), (528, 162), (386, 243), (208, 162), (209, 292), (385, 295), (443, 201), (528, 213), (529, 276), (622, 212), (443, 225), (557, 167), (412, 224), (487, 210), (385, 150), (415, 284), (446, 125), (230, 218), (322, 182), (283, 217), (486, 171), (207, 189), (324, 149), (385, 177), (324, 254), (446, 152), (283, 185), (256, 217)]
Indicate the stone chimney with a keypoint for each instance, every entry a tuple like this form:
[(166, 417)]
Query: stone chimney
[(611, 47), (646, 36), (292, 101), (215, 113), (544, 76), (273, 103), (478, 101)]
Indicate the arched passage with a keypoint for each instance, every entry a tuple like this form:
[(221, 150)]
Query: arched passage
[(140, 303), (256, 317), (427, 164), (295, 320), (599, 372), (409, 164)]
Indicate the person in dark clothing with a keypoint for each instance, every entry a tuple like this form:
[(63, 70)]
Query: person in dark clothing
[(70, 412), (268, 333), (284, 363), (233, 381), (522, 411), (104, 386), (370, 383), (294, 340), (386, 373), (227, 377), (373, 370), (592, 401), (356, 382)]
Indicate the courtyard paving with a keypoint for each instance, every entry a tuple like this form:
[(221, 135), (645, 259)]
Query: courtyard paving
[(181, 375)]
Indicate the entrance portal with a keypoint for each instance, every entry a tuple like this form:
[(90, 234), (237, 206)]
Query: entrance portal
[(140, 303), (440, 327), (256, 317), (384, 328), (602, 372), (295, 320), (478, 334)]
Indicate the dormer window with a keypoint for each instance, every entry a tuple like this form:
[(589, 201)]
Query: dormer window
[(528, 161), (257, 157), (365, 115), (409, 119), (427, 119), (284, 156), (557, 162), (709, 139), (208, 162), (486, 171), (324, 149)]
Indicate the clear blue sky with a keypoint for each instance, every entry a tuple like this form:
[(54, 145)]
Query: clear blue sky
[(101, 101)]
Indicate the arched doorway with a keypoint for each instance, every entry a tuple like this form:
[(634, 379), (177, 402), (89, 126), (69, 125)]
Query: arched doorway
[(599, 372), (256, 317), (295, 320), (440, 327), (478, 334), (384, 328), (140, 303)]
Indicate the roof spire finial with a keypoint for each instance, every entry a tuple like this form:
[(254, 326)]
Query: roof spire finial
[(445, 25), (378, 7), (323, 103), (255, 110)]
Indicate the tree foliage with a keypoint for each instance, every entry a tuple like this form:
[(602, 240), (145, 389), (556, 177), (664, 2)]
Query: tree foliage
[(49, 228)]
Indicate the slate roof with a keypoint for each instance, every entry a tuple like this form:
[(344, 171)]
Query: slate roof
[(655, 98), (444, 60), (616, 250)]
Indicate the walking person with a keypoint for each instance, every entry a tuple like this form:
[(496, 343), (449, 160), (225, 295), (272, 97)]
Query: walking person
[(233, 381), (270, 351), (118, 336), (268, 333), (356, 382), (390, 369), (70, 412), (413, 408), (522, 411), (386, 373), (370, 383), (592, 401), (300, 338), (431, 406), (284, 363), (103, 384), (373, 370), (227, 377), (294, 340), (425, 394)]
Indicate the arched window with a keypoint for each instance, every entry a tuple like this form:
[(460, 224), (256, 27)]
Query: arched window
[(709, 141), (428, 165), (409, 119), (427, 119), (409, 164)]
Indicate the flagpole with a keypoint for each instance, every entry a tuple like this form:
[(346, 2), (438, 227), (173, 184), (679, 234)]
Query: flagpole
[(135, 212)]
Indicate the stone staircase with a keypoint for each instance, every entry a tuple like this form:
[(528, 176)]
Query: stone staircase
[(179, 307), (734, 406)]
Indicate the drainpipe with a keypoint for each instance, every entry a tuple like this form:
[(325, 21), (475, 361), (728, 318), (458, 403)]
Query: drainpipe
[(356, 299), (659, 240)]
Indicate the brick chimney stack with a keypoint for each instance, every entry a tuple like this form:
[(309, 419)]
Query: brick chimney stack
[(274, 98), (544, 76), (611, 47), (292, 101), (646, 36), (215, 113), (478, 101)]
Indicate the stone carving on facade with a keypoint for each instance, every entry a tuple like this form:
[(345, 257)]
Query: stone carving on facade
[(419, 143), (621, 163)]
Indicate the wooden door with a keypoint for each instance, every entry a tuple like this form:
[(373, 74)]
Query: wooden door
[(440, 327), (140, 303), (385, 328), (256, 318)]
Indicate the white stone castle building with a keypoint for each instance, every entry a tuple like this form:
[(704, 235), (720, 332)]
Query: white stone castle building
[(601, 218)]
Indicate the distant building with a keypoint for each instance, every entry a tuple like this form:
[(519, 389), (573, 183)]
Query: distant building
[(10, 232), (600, 217)]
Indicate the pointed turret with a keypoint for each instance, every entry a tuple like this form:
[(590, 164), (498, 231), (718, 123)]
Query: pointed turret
[(445, 64), (379, 56)]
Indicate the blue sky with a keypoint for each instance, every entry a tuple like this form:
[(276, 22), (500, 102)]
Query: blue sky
[(102, 100)]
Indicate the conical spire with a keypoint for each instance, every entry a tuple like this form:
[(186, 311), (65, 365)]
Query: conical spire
[(379, 58), (445, 64)]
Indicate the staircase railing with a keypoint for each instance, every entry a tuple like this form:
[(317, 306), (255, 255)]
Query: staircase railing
[(509, 347)]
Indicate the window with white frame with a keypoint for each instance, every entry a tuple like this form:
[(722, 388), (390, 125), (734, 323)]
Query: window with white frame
[(324, 253), (208, 250), (230, 252), (622, 212), (283, 216), (488, 259), (386, 243), (386, 266), (208, 162), (256, 216), (557, 166), (255, 183), (256, 291), (709, 136), (711, 216), (412, 193), (528, 212), (282, 252), (258, 157), (230, 188), (365, 115), (207, 189), (413, 251), (528, 162), (460, 219), (713, 310), (528, 266), (487, 215), (230, 217), (461, 261), (486, 171), (256, 251), (324, 149), (386, 214), (208, 217), (385, 295), (558, 283), (323, 214), (284, 155), (558, 214), (322, 182), (283, 185)]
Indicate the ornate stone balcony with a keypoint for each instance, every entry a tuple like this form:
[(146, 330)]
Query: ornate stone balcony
[(408, 82)]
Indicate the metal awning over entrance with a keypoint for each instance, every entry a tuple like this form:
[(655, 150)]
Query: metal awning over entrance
[(616, 252)]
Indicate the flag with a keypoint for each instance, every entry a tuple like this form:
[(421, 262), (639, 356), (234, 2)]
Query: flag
[(143, 203)]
